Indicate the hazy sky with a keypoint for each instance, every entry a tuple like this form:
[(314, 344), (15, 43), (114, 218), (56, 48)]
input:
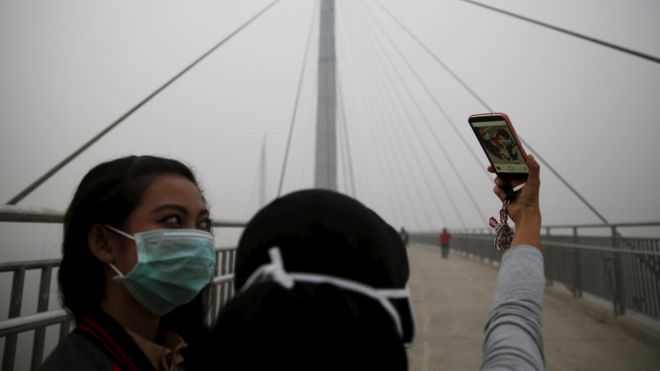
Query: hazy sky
[(69, 68)]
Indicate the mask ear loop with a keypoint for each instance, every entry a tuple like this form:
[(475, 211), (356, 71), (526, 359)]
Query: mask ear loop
[(355, 287), (403, 294), (395, 293), (273, 271), (119, 231), (279, 274), (122, 233), (119, 273)]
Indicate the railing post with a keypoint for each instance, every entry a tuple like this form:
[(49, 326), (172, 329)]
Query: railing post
[(232, 270), (577, 279), (14, 311), (42, 306), (619, 296), (223, 271), (549, 264), (214, 292)]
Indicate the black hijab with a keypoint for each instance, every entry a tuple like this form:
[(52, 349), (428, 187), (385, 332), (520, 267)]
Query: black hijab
[(316, 326)]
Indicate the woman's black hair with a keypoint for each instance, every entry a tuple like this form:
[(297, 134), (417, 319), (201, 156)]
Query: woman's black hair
[(107, 194), (315, 326)]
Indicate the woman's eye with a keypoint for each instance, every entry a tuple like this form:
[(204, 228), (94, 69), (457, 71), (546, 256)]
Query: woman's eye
[(205, 225), (172, 220)]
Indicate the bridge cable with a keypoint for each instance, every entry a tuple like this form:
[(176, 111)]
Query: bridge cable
[(568, 32), (430, 95), (378, 101), (342, 166), (383, 169), (435, 57), (394, 201), (380, 91), (393, 178), (429, 126), (389, 185), (483, 103), (341, 161), (123, 117), (417, 133), (383, 107), (405, 133), (297, 100), (392, 159), (416, 130), (346, 139)]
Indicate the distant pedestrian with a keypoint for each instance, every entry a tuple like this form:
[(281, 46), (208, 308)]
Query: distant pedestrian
[(445, 239)]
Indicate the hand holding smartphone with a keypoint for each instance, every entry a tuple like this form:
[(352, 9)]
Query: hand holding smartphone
[(499, 141), (503, 149)]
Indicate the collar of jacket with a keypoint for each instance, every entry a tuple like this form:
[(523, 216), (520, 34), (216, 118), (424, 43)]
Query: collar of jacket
[(111, 338)]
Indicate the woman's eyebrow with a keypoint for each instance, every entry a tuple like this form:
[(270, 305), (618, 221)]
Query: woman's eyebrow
[(178, 208)]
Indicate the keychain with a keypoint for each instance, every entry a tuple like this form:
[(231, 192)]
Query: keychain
[(503, 232)]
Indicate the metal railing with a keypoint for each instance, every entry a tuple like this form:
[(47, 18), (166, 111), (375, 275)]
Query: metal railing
[(622, 270), (220, 292), (38, 322), (222, 288)]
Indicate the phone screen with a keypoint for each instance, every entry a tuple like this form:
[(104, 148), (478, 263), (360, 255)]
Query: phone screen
[(500, 146)]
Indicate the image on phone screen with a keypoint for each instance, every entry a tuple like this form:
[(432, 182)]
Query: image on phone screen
[(500, 147)]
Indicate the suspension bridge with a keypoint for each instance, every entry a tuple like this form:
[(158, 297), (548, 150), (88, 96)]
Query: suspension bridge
[(388, 106)]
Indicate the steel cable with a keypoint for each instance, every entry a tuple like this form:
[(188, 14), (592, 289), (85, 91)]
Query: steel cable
[(297, 100), (594, 40), (483, 103), (29, 189)]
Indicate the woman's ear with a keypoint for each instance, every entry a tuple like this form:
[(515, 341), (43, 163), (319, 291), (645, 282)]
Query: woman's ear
[(102, 243)]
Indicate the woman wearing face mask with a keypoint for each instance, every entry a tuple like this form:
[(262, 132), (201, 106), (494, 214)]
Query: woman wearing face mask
[(136, 255)]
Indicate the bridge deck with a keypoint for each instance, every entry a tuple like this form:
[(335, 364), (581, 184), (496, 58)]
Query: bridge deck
[(452, 298)]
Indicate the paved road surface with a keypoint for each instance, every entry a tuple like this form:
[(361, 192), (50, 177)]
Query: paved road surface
[(452, 298)]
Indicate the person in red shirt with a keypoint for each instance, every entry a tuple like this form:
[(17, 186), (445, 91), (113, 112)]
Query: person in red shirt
[(445, 238)]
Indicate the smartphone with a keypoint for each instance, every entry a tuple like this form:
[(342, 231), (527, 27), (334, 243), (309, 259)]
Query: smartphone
[(501, 145)]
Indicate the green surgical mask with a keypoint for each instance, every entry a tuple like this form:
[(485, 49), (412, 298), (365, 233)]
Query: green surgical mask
[(173, 266)]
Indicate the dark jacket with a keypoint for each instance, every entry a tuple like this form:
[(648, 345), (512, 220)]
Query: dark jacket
[(97, 343)]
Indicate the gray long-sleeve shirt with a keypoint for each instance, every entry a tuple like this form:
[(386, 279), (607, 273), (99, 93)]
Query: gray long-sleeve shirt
[(513, 331)]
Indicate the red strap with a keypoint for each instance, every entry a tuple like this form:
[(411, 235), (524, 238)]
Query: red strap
[(108, 342)]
